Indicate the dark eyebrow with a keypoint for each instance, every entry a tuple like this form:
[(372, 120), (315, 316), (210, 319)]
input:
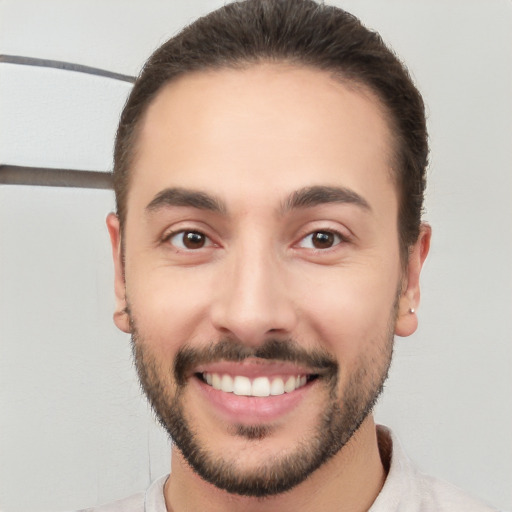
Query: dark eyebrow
[(186, 197), (309, 197)]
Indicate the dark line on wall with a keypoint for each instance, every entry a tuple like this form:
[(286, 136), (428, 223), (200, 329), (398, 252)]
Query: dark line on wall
[(47, 177), (67, 66)]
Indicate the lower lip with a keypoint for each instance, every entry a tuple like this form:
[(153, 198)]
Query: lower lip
[(252, 410)]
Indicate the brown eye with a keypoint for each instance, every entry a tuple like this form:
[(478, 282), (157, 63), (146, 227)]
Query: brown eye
[(320, 240), (192, 240), (189, 240)]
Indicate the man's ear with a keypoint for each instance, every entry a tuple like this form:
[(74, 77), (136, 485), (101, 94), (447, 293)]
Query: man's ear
[(120, 315), (407, 321)]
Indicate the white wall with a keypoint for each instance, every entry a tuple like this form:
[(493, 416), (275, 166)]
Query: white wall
[(74, 429)]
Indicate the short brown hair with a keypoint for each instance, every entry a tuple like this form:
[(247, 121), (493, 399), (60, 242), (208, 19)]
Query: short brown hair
[(300, 32)]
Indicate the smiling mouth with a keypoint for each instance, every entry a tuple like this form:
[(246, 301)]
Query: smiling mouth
[(258, 387)]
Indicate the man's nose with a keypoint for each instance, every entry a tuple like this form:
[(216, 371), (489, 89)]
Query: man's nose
[(254, 298)]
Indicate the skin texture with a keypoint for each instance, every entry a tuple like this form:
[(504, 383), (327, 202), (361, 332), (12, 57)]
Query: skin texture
[(253, 140)]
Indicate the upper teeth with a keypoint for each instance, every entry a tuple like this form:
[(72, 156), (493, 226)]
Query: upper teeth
[(260, 386)]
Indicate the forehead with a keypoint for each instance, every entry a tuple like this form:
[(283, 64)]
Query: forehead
[(267, 129)]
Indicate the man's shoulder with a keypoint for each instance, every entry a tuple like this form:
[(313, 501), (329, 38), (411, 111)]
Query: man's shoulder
[(442, 496), (408, 490), (134, 503), (152, 500)]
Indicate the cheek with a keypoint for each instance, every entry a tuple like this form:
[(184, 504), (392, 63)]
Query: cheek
[(351, 311), (168, 307)]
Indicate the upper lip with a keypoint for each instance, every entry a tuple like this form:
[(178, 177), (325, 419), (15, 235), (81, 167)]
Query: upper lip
[(253, 368)]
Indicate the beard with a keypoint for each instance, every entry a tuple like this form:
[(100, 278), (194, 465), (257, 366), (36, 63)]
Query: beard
[(343, 414)]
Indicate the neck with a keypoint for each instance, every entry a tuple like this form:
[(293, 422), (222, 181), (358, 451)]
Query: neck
[(349, 482)]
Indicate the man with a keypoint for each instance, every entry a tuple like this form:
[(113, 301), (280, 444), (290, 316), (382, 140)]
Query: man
[(269, 176)]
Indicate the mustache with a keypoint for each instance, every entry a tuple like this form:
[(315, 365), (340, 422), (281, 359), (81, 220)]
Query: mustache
[(188, 358)]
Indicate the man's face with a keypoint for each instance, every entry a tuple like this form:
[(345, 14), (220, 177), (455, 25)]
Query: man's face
[(261, 258)]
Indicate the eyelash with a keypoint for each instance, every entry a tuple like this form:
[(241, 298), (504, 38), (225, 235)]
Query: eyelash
[(339, 238), (167, 239)]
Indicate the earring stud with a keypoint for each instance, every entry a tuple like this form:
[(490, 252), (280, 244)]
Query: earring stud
[(412, 311)]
